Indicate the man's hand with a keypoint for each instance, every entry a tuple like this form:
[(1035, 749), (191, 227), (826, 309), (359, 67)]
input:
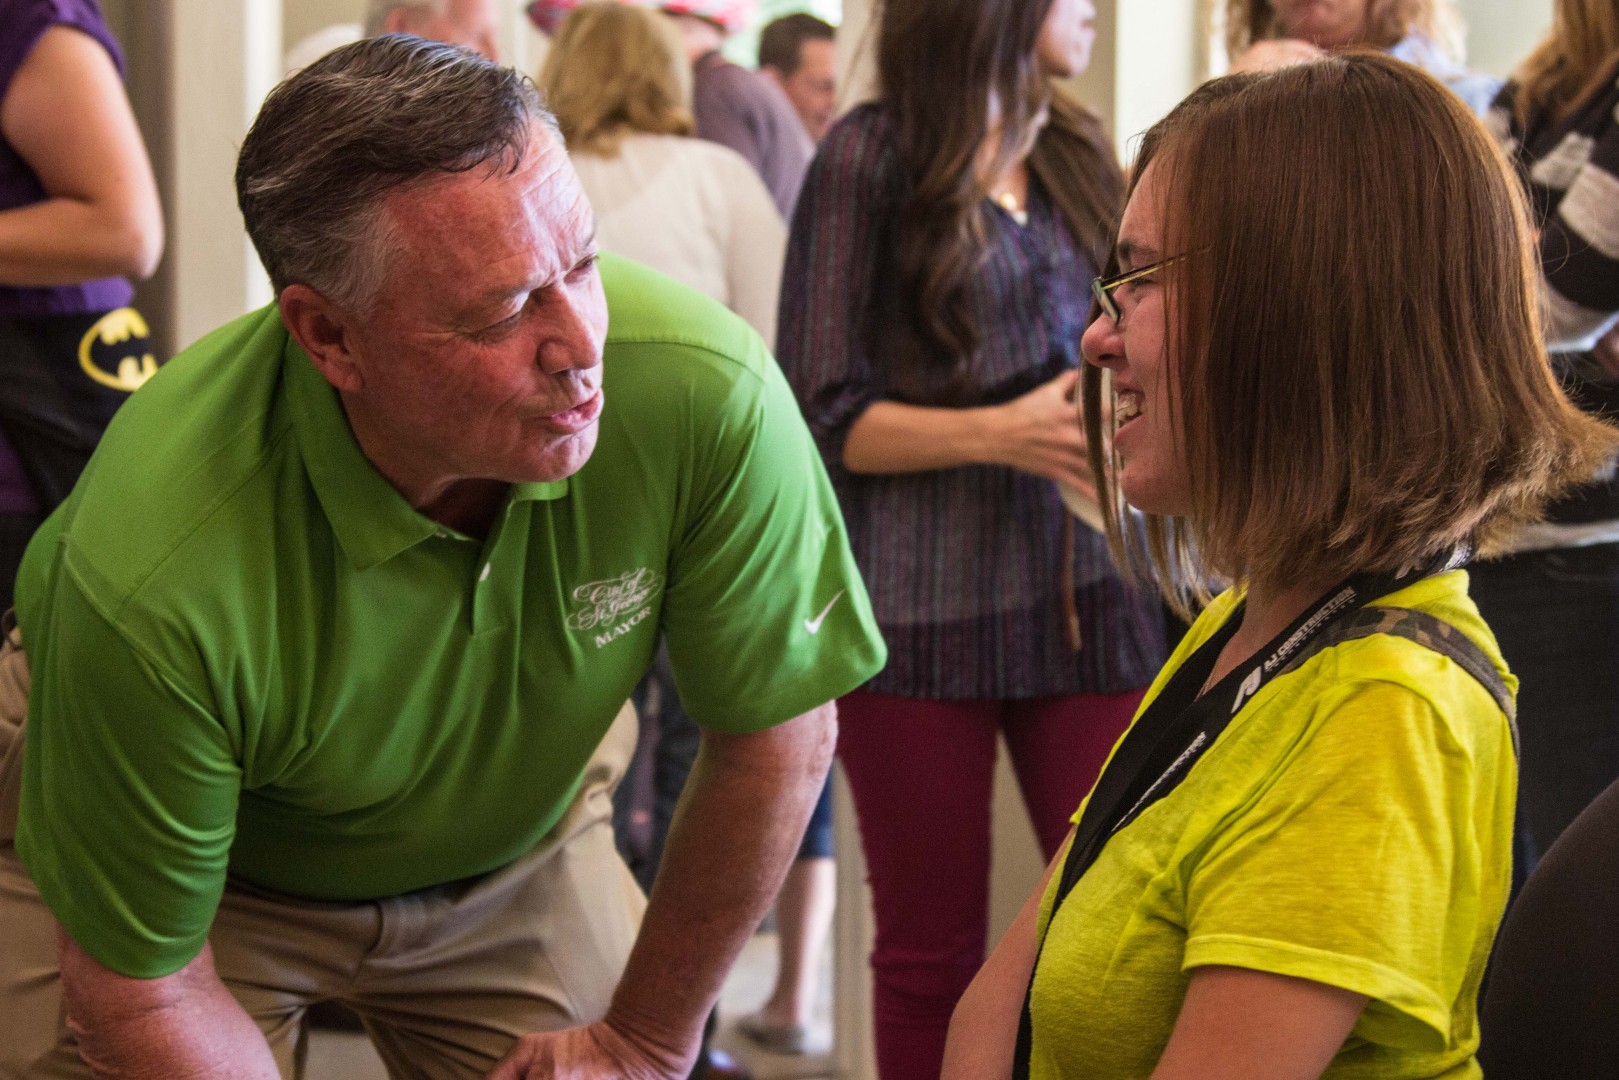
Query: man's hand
[(594, 1052)]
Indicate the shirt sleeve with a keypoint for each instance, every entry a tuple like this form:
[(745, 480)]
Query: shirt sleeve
[(1376, 861), (130, 789), (766, 615), (721, 106), (836, 258), (24, 22)]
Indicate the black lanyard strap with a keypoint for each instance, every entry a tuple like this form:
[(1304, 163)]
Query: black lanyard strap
[(1181, 723)]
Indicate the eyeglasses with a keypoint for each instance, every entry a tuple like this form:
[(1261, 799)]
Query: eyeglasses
[(1104, 288)]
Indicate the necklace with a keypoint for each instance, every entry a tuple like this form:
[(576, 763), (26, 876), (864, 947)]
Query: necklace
[(1009, 202)]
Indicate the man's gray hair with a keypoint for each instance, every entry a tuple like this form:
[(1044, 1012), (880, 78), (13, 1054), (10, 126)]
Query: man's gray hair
[(377, 12), (338, 136)]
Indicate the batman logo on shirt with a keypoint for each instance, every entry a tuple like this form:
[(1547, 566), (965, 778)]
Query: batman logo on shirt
[(116, 351)]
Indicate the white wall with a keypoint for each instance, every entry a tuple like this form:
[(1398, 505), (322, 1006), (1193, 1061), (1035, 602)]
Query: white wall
[(300, 18), (1160, 53), (1500, 33)]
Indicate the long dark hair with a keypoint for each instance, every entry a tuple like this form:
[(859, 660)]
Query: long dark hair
[(940, 63)]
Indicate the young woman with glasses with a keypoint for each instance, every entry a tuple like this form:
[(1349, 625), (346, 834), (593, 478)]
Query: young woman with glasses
[(935, 290), (1327, 386)]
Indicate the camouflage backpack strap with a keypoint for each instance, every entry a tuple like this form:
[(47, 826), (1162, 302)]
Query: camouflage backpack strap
[(1429, 631)]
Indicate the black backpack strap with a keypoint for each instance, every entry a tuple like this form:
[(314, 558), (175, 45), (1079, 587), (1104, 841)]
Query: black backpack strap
[(1429, 631)]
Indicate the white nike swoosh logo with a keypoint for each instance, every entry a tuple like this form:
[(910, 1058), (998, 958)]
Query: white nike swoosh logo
[(814, 625)]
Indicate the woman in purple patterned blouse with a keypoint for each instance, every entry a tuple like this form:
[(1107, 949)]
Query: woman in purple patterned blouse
[(78, 216), (936, 287)]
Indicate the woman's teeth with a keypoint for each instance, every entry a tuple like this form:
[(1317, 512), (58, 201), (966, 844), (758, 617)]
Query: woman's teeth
[(1127, 407)]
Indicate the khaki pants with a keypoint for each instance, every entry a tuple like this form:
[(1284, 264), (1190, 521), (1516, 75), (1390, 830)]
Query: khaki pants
[(445, 979)]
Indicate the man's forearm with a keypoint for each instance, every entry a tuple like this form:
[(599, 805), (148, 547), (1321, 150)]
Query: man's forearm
[(733, 836), (179, 1027)]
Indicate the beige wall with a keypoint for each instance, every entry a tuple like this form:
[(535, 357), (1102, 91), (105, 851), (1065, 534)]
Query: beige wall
[(1501, 32), (300, 18)]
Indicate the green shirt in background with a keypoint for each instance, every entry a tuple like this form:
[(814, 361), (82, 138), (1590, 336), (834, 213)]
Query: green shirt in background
[(251, 656), (1352, 826)]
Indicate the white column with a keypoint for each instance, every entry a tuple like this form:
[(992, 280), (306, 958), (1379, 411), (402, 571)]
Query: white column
[(223, 57), (1501, 33), (1161, 53), (1148, 55)]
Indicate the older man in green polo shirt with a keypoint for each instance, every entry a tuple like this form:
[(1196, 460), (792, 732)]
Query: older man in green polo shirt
[(327, 645)]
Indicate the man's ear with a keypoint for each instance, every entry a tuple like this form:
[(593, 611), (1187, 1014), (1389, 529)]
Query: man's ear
[(326, 333)]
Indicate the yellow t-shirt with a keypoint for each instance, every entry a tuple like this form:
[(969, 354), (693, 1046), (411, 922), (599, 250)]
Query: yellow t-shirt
[(1352, 826)]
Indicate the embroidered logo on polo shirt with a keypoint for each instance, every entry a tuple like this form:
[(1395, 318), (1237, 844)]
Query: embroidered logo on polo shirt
[(611, 608)]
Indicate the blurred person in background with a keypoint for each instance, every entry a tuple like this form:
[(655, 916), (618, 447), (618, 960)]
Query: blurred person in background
[(1554, 601), (936, 287), (800, 54), (618, 81), (1263, 34), (79, 217), (472, 24), (1294, 864), (739, 108)]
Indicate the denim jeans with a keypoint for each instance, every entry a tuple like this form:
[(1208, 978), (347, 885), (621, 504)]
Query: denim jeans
[(1556, 616)]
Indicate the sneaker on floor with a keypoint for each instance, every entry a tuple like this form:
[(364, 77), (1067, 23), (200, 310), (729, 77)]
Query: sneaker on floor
[(786, 1039)]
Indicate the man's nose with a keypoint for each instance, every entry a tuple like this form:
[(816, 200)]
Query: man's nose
[(573, 329)]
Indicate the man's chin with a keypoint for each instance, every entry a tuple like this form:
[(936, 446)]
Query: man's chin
[(562, 457)]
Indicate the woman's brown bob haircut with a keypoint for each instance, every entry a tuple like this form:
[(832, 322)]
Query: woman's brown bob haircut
[(1354, 342), (612, 70)]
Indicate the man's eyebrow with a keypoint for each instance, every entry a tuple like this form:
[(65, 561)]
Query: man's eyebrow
[(499, 293), (586, 249)]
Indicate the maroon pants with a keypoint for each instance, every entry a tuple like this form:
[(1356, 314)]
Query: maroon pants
[(920, 771)]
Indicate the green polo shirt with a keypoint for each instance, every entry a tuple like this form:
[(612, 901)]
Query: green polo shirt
[(252, 657)]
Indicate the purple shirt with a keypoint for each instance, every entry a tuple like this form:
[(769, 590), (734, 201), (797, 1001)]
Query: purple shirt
[(964, 566), (744, 110), (22, 24)]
